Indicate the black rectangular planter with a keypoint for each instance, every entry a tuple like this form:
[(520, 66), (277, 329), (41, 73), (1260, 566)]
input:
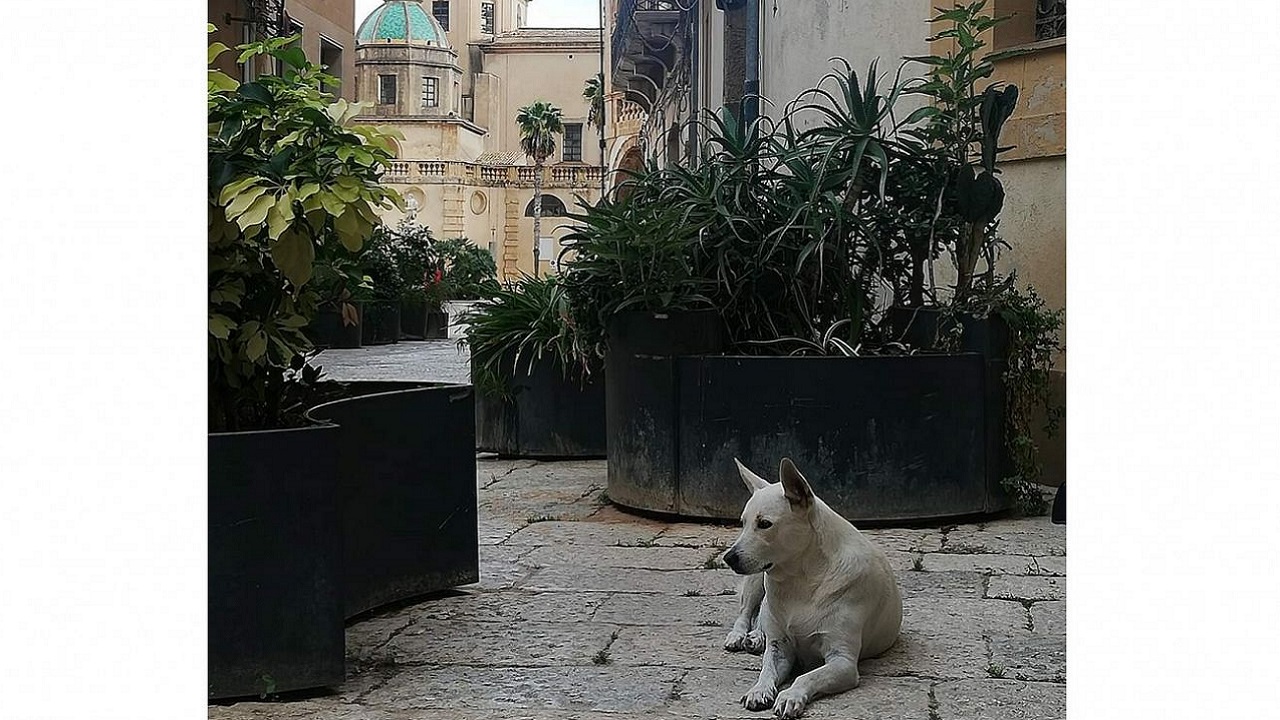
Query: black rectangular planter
[(380, 323), (641, 401), (547, 415), (407, 488), (275, 611), (328, 330), (418, 321)]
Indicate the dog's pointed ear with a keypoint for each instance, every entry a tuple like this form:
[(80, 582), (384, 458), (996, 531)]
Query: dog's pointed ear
[(794, 485), (753, 481)]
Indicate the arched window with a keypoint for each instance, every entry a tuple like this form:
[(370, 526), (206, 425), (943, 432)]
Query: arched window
[(552, 206)]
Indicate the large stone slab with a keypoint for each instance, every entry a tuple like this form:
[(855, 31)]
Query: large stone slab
[(1025, 589), (649, 558), (1042, 540), (679, 646), (495, 644), (706, 535), (1049, 618), (506, 606), (905, 539), (946, 638), (1000, 700), (990, 564), (632, 609), (501, 567), (585, 533), (1026, 655), (941, 584), (717, 693), (590, 688), (606, 579)]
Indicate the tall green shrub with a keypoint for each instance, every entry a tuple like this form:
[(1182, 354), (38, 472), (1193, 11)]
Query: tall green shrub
[(293, 191)]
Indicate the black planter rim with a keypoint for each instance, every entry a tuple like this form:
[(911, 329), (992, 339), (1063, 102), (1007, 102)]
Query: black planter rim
[(315, 425), (413, 386)]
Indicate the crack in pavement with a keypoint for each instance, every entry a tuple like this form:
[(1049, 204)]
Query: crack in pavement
[(495, 479)]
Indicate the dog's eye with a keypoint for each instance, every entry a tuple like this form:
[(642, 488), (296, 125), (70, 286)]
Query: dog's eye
[(763, 524)]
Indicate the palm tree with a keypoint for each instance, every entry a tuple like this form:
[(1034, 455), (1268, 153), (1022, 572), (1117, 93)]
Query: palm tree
[(539, 124), (593, 93)]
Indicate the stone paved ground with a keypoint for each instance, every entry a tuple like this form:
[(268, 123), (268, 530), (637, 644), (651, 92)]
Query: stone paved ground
[(429, 360), (584, 611)]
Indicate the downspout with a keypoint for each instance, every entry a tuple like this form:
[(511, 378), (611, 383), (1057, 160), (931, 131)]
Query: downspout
[(695, 78), (604, 113), (751, 83)]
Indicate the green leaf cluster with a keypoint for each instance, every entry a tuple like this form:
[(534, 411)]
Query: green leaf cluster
[(293, 193)]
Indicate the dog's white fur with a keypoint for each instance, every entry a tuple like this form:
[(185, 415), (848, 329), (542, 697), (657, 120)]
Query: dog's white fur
[(818, 595)]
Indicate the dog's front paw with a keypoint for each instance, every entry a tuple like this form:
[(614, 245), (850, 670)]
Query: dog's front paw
[(754, 642), (790, 704), (759, 698), (736, 641)]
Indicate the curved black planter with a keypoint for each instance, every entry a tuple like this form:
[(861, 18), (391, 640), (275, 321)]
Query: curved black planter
[(407, 474), (275, 612), (310, 527), (380, 323), (641, 401), (883, 439), (547, 416)]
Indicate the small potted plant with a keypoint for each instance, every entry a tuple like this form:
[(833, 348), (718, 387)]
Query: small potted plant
[(469, 274)]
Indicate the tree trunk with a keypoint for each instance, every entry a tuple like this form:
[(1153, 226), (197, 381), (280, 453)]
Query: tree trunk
[(537, 216)]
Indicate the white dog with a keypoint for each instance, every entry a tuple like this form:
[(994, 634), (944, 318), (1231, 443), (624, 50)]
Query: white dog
[(819, 595)]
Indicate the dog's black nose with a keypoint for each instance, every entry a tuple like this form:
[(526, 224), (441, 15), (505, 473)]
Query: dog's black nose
[(731, 559)]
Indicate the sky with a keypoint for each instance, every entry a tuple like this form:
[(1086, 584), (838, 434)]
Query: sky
[(542, 13)]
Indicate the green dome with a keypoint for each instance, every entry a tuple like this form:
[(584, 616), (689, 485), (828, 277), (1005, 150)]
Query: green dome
[(401, 21)]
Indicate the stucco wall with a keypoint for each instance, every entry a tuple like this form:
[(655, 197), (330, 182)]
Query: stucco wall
[(799, 37), (556, 77)]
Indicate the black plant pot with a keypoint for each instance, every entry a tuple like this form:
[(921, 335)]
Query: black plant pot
[(407, 488), (413, 319), (328, 331), (437, 326), (546, 415), (381, 323), (420, 321), (641, 408), (275, 611)]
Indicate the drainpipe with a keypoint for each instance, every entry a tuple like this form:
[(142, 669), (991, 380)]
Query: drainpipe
[(695, 78), (604, 117), (751, 83)]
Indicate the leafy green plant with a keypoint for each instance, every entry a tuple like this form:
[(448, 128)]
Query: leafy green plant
[(469, 271), (293, 193), (965, 124), (520, 324)]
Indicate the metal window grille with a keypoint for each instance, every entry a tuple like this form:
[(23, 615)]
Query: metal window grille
[(386, 89), (440, 9), (1051, 19), (486, 18), (573, 142)]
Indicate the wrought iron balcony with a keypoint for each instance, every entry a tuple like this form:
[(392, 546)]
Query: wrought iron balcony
[(641, 20)]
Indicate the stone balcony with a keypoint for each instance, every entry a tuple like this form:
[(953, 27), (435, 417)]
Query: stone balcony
[(560, 175)]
